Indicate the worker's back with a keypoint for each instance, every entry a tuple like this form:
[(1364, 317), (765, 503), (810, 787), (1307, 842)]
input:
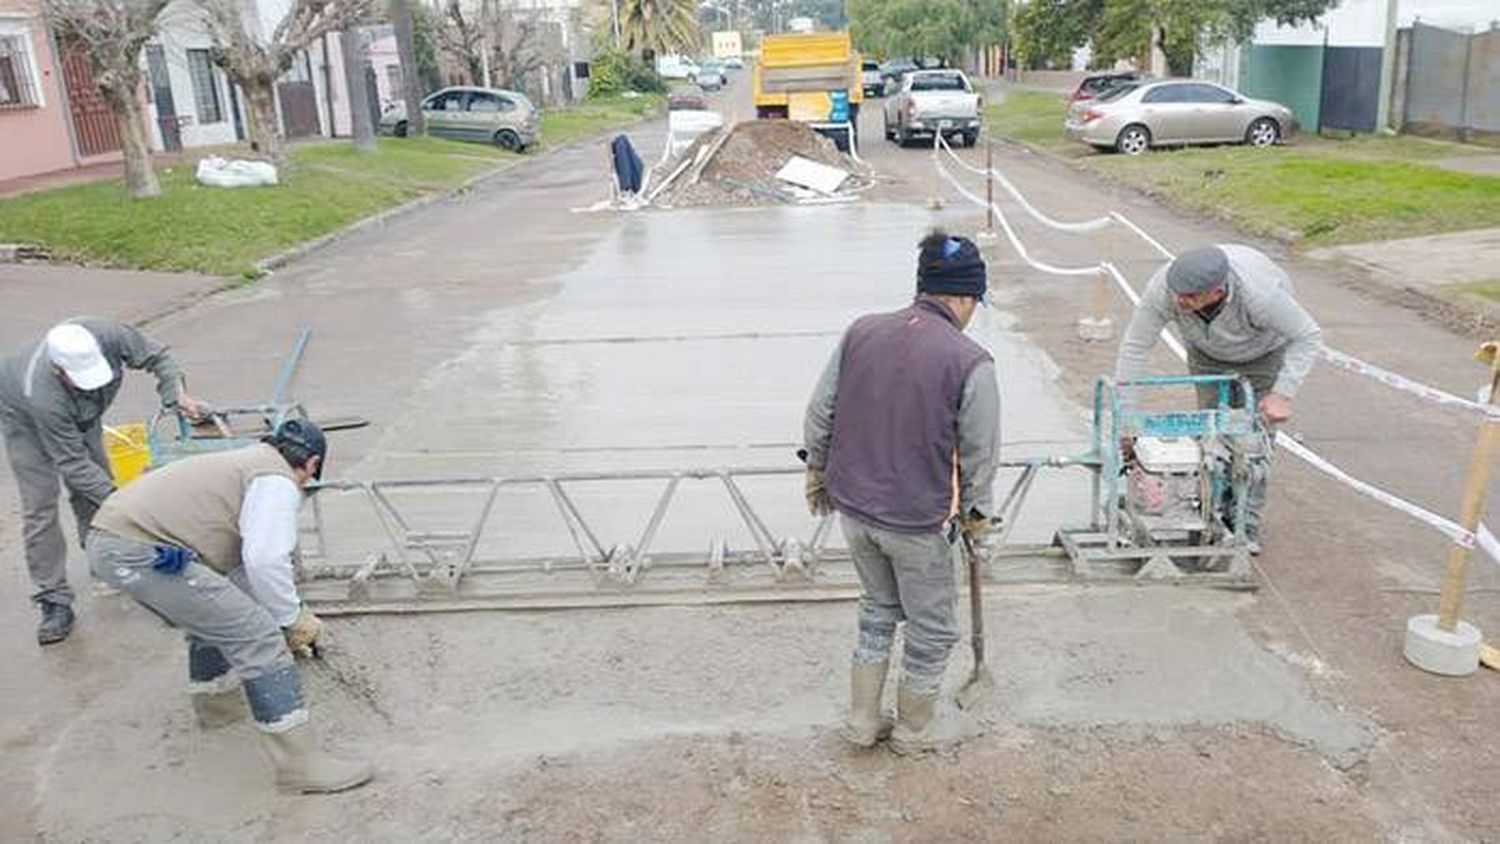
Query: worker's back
[(901, 377)]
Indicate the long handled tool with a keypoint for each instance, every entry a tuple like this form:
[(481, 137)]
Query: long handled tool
[(981, 683)]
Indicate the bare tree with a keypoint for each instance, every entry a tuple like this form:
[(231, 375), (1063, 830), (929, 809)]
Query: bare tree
[(362, 126), (256, 61), (112, 33), (400, 12), (460, 34), (524, 42)]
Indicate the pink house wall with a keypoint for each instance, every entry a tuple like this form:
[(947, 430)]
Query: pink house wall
[(34, 140)]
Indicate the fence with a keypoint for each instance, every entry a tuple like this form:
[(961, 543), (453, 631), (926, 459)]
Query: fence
[(1449, 82)]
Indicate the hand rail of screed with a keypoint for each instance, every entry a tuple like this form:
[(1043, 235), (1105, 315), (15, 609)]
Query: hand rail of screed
[(289, 369)]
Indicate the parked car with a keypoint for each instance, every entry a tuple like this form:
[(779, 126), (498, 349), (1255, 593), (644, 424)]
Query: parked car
[(871, 79), (734, 62), (1132, 118), (932, 101), (676, 67), (710, 75), (506, 119), (1097, 83), (893, 69)]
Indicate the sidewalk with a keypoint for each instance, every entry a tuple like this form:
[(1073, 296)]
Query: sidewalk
[(38, 295)]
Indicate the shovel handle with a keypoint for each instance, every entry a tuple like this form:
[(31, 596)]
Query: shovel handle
[(976, 602)]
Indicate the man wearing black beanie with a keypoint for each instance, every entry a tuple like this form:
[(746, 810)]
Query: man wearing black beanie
[(902, 439)]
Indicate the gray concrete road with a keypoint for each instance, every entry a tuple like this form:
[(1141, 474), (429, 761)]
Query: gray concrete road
[(503, 332)]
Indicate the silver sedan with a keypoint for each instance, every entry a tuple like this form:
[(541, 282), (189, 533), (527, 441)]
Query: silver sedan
[(1175, 112)]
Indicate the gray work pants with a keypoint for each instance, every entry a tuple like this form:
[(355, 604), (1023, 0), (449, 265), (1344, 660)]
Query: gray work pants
[(227, 630), (39, 485), (1261, 373), (905, 577)]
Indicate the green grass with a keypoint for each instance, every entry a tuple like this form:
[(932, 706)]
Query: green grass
[(1317, 195), (1486, 290), (325, 186), (1314, 191), (561, 126), (1033, 118)]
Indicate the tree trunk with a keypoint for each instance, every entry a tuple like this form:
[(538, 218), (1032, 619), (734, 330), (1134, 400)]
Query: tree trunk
[(359, 96), (410, 74), (140, 178), (260, 96)]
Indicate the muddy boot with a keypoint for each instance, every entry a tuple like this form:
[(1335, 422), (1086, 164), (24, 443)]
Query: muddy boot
[(921, 729), (302, 767), (56, 623), (217, 709), (866, 724)]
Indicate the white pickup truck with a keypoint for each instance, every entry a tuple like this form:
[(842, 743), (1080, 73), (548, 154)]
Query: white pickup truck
[(931, 101)]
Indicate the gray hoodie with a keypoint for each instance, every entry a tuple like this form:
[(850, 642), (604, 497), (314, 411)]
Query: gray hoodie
[(34, 400)]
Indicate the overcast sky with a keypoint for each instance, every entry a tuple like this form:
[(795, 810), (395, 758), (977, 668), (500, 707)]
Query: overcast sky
[(1459, 13)]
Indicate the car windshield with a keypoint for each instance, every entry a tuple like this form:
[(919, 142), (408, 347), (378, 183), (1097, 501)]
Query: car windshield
[(870, 66), (1118, 91), (938, 82)]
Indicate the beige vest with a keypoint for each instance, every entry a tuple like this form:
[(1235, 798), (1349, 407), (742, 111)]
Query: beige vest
[(192, 503)]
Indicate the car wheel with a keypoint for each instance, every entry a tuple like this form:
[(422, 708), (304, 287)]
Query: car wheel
[(971, 138), (508, 140), (889, 135), (1133, 139), (1263, 133), (400, 130)]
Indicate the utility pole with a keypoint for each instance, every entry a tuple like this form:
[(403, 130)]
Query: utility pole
[(1387, 70), (361, 126)]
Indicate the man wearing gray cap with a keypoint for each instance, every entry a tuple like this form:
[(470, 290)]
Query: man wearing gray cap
[(1234, 309), (53, 395), (902, 440)]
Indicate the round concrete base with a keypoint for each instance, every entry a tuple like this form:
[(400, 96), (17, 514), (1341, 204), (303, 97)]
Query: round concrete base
[(1096, 330), (1430, 648)]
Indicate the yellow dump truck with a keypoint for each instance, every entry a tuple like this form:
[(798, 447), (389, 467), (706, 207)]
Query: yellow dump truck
[(813, 78)]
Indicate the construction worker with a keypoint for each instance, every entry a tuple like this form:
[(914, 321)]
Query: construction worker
[(906, 405), (53, 395), (1234, 309), (206, 543)]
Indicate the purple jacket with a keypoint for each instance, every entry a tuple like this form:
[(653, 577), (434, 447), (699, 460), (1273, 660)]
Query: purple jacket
[(912, 400)]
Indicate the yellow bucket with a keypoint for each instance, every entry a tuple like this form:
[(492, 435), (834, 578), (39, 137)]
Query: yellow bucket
[(129, 453)]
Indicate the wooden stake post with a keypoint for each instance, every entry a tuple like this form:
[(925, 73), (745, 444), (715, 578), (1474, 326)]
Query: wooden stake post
[(1475, 487)]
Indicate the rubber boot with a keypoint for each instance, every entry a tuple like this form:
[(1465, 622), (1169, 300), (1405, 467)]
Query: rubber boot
[(56, 623), (866, 724), (219, 709), (302, 767), (919, 727)]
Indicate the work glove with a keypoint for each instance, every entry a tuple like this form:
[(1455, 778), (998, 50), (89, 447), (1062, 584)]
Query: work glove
[(818, 502), (976, 525), (302, 634)]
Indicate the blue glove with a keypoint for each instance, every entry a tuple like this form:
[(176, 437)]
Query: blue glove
[(170, 559)]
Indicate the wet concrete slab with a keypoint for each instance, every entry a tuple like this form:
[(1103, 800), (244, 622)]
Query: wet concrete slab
[(681, 342)]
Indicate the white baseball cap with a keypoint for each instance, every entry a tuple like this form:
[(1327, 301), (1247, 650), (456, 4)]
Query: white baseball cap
[(75, 351)]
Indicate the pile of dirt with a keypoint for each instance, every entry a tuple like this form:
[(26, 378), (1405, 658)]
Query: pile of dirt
[(738, 165)]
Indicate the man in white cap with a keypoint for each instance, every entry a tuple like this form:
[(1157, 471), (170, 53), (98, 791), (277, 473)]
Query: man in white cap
[(53, 394), (1234, 308)]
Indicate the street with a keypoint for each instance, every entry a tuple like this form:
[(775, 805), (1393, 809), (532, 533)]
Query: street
[(505, 331)]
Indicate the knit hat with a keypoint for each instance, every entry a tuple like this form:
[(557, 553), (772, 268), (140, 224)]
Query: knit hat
[(949, 265), (1197, 270)]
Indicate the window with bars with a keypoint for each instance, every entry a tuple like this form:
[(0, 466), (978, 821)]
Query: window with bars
[(205, 86), (17, 81)]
